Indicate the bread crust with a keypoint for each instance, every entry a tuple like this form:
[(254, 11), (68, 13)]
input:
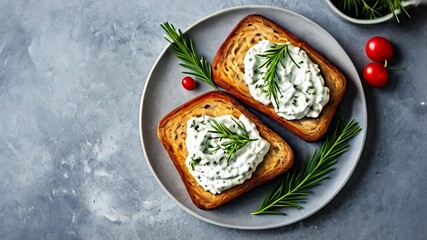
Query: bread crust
[(228, 73), (172, 133)]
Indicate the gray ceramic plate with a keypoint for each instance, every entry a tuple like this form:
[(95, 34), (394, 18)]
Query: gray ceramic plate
[(163, 92)]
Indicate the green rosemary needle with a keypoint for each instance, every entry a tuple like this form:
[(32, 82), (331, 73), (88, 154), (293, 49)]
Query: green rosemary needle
[(195, 161), (294, 187)]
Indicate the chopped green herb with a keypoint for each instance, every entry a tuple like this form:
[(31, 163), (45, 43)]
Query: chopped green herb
[(195, 161)]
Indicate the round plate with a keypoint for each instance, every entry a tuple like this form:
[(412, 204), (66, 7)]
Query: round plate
[(163, 92)]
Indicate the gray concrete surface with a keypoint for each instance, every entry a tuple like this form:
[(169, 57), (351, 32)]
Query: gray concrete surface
[(71, 164)]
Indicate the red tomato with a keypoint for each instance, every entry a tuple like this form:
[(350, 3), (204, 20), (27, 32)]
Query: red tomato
[(379, 49), (375, 74), (188, 83)]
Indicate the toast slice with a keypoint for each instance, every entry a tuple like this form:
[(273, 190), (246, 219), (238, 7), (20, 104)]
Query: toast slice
[(228, 72), (172, 133)]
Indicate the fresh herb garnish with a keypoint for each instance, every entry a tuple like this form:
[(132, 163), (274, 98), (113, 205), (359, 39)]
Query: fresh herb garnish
[(183, 48), (294, 187), (370, 9), (235, 141), (274, 56), (195, 161)]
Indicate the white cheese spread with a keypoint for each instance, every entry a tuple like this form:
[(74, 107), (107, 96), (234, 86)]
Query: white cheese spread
[(209, 163), (302, 90)]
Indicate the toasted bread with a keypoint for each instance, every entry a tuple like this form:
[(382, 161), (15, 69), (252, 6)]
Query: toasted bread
[(172, 133), (228, 72)]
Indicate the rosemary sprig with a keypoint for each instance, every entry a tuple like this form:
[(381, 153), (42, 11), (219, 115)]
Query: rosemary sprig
[(348, 5), (371, 9), (397, 4), (294, 187), (274, 57), (235, 141), (183, 48)]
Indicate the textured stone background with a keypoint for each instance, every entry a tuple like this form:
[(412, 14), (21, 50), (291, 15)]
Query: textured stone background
[(71, 164)]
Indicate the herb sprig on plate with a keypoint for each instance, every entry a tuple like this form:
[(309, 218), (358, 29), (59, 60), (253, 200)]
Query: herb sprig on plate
[(235, 141), (274, 56), (294, 187), (183, 48)]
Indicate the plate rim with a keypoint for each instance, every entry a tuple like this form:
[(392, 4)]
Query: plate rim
[(312, 212)]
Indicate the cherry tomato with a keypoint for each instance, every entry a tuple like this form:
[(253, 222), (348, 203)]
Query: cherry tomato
[(379, 49), (188, 83), (375, 74)]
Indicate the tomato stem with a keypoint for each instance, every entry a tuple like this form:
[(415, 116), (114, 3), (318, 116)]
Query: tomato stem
[(389, 68)]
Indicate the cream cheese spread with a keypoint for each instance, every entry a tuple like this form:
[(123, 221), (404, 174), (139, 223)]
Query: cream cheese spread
[(209, 163), (302, 89)]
